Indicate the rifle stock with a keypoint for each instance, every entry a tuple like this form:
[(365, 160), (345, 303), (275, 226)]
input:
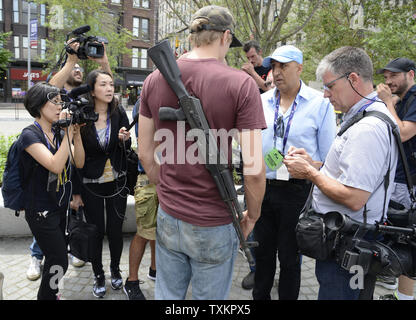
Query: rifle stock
[(163, 58)]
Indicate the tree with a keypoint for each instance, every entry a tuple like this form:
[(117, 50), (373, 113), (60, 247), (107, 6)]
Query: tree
[(386, 31), (102, 21), (267, 21), (5, 54)]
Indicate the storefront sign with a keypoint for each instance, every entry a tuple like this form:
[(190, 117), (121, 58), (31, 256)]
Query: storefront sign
[(21, 74)]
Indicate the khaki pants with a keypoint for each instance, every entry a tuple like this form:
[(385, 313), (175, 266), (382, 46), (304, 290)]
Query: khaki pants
[(146, 204)]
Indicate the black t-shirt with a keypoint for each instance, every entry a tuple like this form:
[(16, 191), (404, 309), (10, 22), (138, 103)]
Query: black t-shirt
[(37, 196), (410, 115), (262, 72)]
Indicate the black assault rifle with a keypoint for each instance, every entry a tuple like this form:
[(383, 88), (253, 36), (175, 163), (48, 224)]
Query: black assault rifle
[(191, 111)]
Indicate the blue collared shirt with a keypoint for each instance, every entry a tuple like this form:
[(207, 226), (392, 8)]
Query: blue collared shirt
[(313, 126)]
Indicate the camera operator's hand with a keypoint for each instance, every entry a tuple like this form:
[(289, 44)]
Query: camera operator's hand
[(65, 115), (103, 61), (123, 134), (72, 57)]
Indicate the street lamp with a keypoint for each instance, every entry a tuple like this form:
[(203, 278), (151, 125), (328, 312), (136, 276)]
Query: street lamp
[(29, 77)]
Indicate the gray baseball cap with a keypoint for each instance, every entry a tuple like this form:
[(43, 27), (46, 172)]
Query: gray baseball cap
[(219, 19)]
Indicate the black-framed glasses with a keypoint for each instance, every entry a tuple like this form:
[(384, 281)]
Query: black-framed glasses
[(328, 86)]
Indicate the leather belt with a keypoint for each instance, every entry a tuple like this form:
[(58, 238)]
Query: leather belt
[(281, 183)]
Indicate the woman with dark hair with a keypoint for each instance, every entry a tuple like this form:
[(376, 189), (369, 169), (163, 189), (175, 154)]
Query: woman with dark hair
[(45, 170), (103, 175)]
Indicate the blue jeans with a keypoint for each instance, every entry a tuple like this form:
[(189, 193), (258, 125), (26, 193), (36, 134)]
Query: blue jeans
[(202, 256), (35, 251), (334, 282)]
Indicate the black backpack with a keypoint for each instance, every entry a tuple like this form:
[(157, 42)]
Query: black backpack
[(14, 185)]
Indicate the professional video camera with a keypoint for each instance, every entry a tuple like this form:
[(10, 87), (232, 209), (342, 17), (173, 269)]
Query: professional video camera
[(89, 46), (380, 248), (82, 112)]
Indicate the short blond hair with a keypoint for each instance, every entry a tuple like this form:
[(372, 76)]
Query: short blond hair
[(200, 37)]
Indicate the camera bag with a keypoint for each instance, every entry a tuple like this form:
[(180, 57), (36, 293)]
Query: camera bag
[(313, 238), (82, 237)]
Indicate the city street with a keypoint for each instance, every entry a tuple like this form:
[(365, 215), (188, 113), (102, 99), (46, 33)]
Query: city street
[(77, 284)]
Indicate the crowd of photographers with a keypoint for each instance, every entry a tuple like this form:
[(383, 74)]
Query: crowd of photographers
[(355, 173)]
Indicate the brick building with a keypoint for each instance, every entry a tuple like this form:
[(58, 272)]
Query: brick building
[(138, 16)]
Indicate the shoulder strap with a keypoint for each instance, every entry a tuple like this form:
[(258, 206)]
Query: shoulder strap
[(33, 168), (396, 133), (409, 102), (406, 109)]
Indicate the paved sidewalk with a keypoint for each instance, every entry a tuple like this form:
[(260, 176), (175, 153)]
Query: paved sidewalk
[(77, 285)]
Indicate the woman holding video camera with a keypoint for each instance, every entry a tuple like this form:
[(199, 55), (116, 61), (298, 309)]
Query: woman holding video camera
[(45, 170), (103, 175)]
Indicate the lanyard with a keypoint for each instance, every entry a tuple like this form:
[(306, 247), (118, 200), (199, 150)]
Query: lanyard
[(47, 139), (61, 179), (289, 123), (365, 106), (107, 132)]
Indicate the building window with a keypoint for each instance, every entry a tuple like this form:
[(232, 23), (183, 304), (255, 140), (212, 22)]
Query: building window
[(15, 11), (24, 47), (141, 28), (43, 48), (20, 10), (139, 58), (1, 10), (33, 11), (141, 4), (115, 1), (42, 14), (16, 46)]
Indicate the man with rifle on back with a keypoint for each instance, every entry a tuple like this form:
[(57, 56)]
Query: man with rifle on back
[(195, 239)]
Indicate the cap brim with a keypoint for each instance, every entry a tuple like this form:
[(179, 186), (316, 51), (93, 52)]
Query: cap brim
[(267, 61), (235, 42), (380, 71)]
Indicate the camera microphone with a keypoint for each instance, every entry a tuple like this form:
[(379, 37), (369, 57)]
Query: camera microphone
[(76, 92), (81, 30)]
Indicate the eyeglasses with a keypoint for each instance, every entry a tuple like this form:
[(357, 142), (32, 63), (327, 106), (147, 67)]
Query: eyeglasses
[(78, 69), (53, 97), (328, 86)]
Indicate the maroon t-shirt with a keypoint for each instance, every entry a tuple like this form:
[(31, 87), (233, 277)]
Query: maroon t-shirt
[(231, 100)]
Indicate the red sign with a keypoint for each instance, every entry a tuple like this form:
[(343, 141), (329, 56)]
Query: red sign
[(21, 74)]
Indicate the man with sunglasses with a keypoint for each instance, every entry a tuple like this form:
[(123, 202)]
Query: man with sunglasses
[(399, 77), (351, 181), (297, 116)]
